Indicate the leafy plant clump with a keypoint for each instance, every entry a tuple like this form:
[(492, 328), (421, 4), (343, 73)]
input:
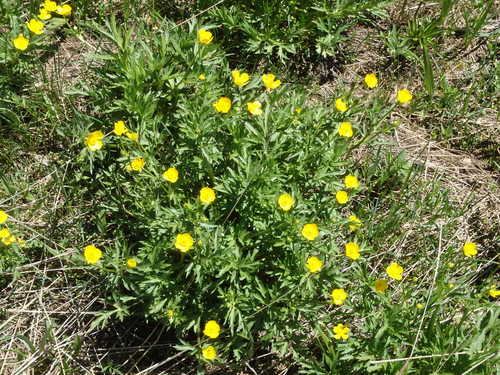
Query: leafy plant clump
[(229, 205)]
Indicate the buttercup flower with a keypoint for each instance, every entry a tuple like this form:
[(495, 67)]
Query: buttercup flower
[(255, 108), (345, 129), (207, 195), (470, 249), (132, 263), (270, 81), (209, 353), (136, 165), (342, 197), (341, 332), (120, 128), (212, 329), (404, 96), (94, 140), (394, 271), (184, 242), (21, 43), (133, 136), (352, 250), (354, 222), (419, 306), (223, 105), (4, 233), (371, 80), (50, 6), (381, 285), (170, 313), (35, 26), (3, 217), (310, 231), (339, 296), (205, 37), (44, 14), (171, 175), (64, 10), (240, 79), (313, 264), (493, 292), (341, 105), (7, 241), (202, 77), (351, 182), (286, 202), (92, 254)]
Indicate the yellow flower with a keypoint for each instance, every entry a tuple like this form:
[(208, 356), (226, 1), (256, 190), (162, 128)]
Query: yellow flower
[(170, 313), (298, 110), (64, 10), (270, 81), (286, 202), (352, 250), (470, 249), (404, 96), (394, 271), (184, 242), (207, 195), (136, 165), (92, 254), (4, 233), (205, 37), (212, 329), (342, 196), (255, 108), (341, 105), (223, 105), (351, 182), (202, 77), (50, 6), (94, 140), (120, 128), (341, 332), (494, 293), (21, 242), (240, 79), (132, 263), (3, 217), (132, 136), (419, 306), (171, 175), (310, 231), (21, 43), (35, 26), (313, 264), (354, 222), (381, 286), (345, 129), (371, 80), (44, 14), (9, 240), (339, 296), (209, 353)]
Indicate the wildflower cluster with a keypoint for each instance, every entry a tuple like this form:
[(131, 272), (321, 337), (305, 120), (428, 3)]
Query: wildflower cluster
[(241, 201), (37, 24)]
